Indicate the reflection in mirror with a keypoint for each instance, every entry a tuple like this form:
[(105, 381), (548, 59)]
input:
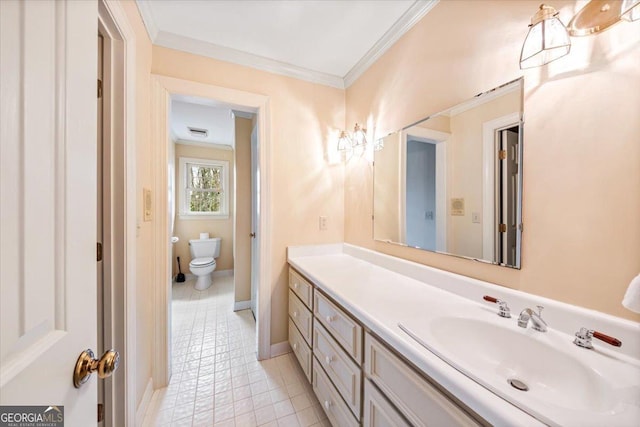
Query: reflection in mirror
[(452, 183)]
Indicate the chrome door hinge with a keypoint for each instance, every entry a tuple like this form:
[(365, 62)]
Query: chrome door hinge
[(99, 88), (99, 252)]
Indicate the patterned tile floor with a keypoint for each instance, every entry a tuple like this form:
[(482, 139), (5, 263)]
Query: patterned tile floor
[(216, 379)]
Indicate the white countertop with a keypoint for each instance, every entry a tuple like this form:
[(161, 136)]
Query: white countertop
[(365, 283)]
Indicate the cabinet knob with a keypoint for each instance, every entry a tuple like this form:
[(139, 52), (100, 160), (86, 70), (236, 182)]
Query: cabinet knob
[(295, 314), (295, 346), (330, 319), (295, 285), (328, 359), (327, 404)]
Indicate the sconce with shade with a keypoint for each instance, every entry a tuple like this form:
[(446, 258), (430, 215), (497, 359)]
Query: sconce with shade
[(344, 141), (631, 10), (548, 39), (359, 136)]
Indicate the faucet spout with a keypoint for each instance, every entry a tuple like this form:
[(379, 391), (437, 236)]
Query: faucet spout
[(527, 315)]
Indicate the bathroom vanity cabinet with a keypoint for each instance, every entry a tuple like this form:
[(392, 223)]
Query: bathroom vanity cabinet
[(358, 378)]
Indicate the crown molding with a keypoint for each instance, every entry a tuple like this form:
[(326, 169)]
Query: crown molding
[(198, 47), (148, 19), (204, 144), (211, 50), (408, 19), (242, 114)]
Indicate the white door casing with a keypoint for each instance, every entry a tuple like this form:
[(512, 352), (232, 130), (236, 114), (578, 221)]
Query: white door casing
[(162, 87), (255, 220), (48, 210)]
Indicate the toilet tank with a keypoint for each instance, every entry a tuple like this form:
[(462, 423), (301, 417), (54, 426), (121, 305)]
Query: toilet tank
[(203, 248)]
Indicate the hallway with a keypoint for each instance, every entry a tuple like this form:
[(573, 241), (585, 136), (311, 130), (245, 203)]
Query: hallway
[(216, 379)]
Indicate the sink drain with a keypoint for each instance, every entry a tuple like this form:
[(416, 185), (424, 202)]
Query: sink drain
[(517, 384)]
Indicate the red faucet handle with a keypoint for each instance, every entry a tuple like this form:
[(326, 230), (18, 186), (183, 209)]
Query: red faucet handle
[(490, 299), (606, 338)]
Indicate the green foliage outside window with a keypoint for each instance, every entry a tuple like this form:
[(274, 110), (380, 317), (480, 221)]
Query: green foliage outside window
[(204, 188)]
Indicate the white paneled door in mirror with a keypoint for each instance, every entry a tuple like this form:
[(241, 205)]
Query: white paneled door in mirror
[(48, 203)]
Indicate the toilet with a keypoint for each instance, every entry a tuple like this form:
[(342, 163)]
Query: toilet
[(203, 260)]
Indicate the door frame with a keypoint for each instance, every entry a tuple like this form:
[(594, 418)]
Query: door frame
[(162, 87), (489, 152), (122, 295)]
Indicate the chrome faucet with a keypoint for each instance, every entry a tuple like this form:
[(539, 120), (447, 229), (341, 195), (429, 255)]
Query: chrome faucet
[(536, 319)]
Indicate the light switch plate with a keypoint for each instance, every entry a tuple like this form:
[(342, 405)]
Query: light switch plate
[(322, 223), (147, 205), (475, 217)]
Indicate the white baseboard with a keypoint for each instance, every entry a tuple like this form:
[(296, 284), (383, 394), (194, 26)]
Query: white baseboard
[(220, 273), (144, 403), (280, 348), (241, 305)]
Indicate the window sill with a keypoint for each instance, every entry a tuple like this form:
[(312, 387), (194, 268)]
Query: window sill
[(188, 217)]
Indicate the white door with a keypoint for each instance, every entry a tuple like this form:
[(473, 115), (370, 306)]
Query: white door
[(255, 220), (48, 203)]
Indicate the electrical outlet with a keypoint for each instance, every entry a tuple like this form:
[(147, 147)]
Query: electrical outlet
[(475, 217), (322, 223)]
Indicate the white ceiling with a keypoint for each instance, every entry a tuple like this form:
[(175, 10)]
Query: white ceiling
[(216, 119), (325, 41)]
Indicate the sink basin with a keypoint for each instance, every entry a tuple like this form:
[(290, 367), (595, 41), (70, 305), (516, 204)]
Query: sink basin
[(501, 354), (543, 374)]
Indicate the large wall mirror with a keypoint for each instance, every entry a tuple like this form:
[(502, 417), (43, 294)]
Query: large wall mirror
[(452, 183)]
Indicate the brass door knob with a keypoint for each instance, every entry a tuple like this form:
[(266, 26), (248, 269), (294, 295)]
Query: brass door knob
[(88, 364)]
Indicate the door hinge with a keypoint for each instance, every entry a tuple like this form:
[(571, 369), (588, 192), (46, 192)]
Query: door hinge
[(502, 154), (99, 88), (100, 412), (502, 228), (99, 252)]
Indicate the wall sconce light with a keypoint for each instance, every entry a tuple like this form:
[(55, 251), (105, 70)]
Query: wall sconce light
[(359, 136), (344, 141), (548, 39), (631, 10)]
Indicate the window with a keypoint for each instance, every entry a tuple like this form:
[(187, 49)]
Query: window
[(205, 188)]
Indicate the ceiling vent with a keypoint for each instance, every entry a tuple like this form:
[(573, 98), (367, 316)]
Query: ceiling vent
[(201, 133)]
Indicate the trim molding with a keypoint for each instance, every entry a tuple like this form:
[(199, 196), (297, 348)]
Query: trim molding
[(144, 403), (148, 19), (408, 19), (203, 144), (199, 47), (241, 305), (222, 53), (280, 348)]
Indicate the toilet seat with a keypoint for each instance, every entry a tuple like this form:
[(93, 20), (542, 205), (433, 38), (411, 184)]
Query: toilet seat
[(203, 262)]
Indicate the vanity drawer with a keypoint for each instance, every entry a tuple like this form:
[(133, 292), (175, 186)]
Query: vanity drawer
[(343, 372), (300, 349), (335, 408), (419, 401), (378, 412), (301, 316), (343, 328), (301, 287)]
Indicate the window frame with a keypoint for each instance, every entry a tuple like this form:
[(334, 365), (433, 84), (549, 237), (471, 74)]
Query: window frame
[(184, 211)]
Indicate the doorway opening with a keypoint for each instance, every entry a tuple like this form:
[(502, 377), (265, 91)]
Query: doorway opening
[(162, 89), (212, 228)]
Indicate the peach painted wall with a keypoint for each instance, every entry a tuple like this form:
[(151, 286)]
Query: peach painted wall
[(303, 185), (190, 228), (144, 177), (581, 241)]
